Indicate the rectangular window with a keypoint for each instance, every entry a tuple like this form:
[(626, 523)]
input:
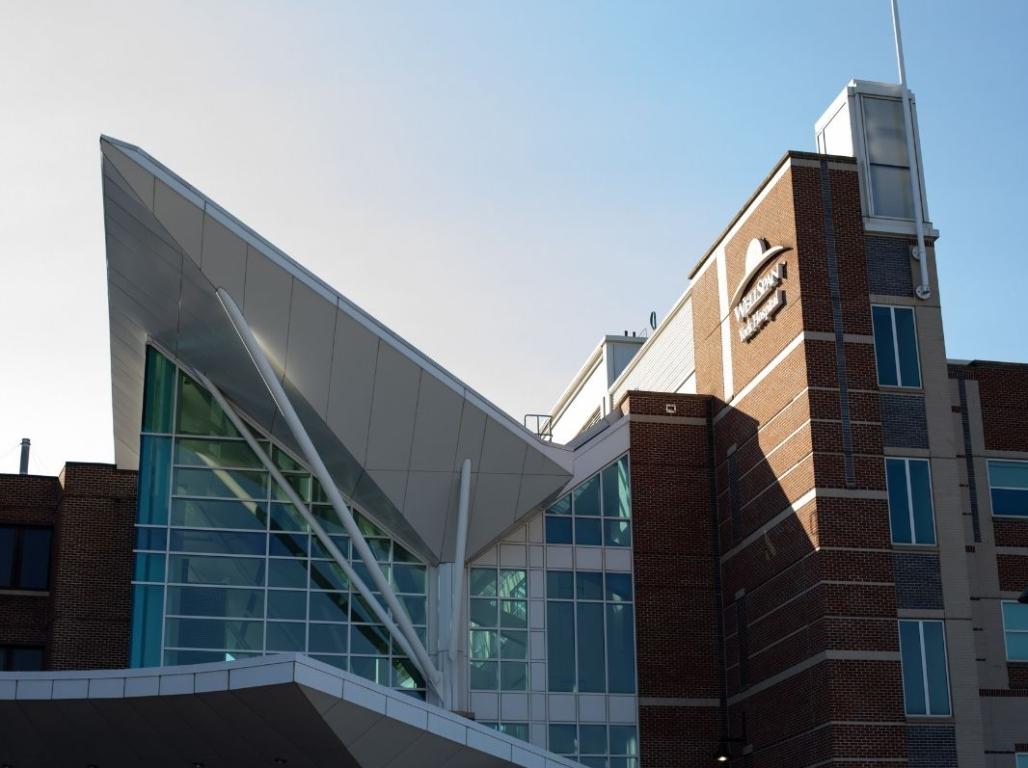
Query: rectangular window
[(25, 557), (596, 513), (1008, 487), (18, 658), (896, 352), (925, 673), (910, 501), (1015, 630), (1022, 760), (885, 139), (498, 634)]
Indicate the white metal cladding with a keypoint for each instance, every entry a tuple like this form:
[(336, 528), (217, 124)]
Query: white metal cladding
[(667, 360), (392, 426)]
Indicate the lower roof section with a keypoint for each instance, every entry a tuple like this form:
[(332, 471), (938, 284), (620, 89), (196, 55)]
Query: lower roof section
[(276, 710)]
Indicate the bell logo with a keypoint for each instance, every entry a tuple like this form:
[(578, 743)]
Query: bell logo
[(757, 301)]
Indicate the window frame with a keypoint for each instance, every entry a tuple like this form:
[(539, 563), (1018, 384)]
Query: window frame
[(910, 502), (1003, 619), (988, 471), (5, 656), (17, 557), (1018, 762), (896, 347), (924, 669)]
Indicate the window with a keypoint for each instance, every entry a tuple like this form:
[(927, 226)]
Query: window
[(925, 675), (591, 744), (15, 658), (1015, 630), (517, 730), (597, 512), (910, 501), (25, 557), (590, 632), (498, 633), (896, 346), (1008, 486), (1022, 760), (885, 138)]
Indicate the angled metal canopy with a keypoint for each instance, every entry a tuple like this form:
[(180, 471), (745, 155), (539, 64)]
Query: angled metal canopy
[(392, 426)]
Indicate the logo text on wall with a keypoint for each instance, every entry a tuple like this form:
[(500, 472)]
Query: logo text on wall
[(757, 301)]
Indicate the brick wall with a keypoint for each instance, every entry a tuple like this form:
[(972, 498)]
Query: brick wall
[(84, 620)]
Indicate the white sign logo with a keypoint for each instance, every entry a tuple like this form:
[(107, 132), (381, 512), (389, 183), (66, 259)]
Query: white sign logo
[(758, 301)]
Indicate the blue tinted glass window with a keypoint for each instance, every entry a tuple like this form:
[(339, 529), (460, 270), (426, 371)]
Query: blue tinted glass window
[(218, 542), (34, 572), (225, 571), (1008, 481), (591, 666), (213, 634), (483, 582), (936, 668), (560, 645), (147, 616), (885, 346), (199, 413), (149, 567), (220, 483), (558, 530), (896, 352), (154, 480), (331, 606), (616, 501), (216, 601), (151, 538), (8, 542), (214, 513), (564, 739), (288, 604), (899, 500), (619, 587), (285, 636), (328, 638), (586, 497), (158, 392), (921, 501), (925, 671), (620, 649), (560, 585), (906, 340), (617, 533), (589, 585), (588, 531), (913, 668), (1015, 630), (910, 501)]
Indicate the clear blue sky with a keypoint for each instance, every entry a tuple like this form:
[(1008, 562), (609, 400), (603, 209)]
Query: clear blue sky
[(500, 183)]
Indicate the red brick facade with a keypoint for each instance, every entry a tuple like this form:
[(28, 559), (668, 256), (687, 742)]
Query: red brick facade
[(83, 620)]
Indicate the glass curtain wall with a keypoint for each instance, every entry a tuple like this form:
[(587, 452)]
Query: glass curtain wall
[(226, 567)]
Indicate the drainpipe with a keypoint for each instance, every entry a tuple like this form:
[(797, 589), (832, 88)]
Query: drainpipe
[(924, 290)]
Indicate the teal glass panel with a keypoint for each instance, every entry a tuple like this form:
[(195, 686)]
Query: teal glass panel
[(406, 675), (369, 639), (558, 530), (154, 480), (299, 483), (409, 579), (617, 533), (365, 575), (593, 762), (899, 507), (199, 452), (588, 531), (913, 669), (513, 644), (592, 739), (484, 612), (482, 582), (367, 528), (514, 614), (561, 506), (937, 671), (513, 583), (216, 601), (329, 520), (147, 615), (620, 648), (616, 500), (328, 638), (1015, 616), (155, 539), (211, 513), (218, 542), (158, 392), (560, 585), (329, 576), (224, 571), (287, 604), (175, 658), (592, 673), (921, 496), (485, 675), (1008, 474), (374, 669), (342, 662), (361, 611), (401, 555), (213, 634), (623, 740), (589, 585), (285, 462), (484, 644), (513, 676), (330, 606), (1022, 761), (586, 497), (287, 572), (319, 551), (285, 636), (221, 483), (285, 517), (198, 413), (288, 544), (381, 549), (149, 567), (417, 608), (564, 739), (516, 730), (560, 645), (885, 348), (1017, 646), (619, 587), (906, 337), (1006, 501)]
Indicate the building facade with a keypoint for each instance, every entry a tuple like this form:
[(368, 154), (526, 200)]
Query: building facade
[(783, 529)]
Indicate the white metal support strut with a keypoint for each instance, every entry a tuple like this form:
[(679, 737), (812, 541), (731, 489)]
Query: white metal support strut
[(460, 553), (317, 466), (380, 613)]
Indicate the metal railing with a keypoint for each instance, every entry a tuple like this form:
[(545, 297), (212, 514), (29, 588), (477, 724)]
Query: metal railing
[(541, 424)]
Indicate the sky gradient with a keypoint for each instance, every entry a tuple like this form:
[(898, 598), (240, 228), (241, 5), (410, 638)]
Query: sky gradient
[(501, 184)]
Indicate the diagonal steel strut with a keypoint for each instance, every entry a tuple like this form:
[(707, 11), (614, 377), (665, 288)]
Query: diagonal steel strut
[(285, 407)]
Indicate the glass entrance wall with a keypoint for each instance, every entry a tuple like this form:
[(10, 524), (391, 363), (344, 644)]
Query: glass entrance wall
[(226, 567)]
